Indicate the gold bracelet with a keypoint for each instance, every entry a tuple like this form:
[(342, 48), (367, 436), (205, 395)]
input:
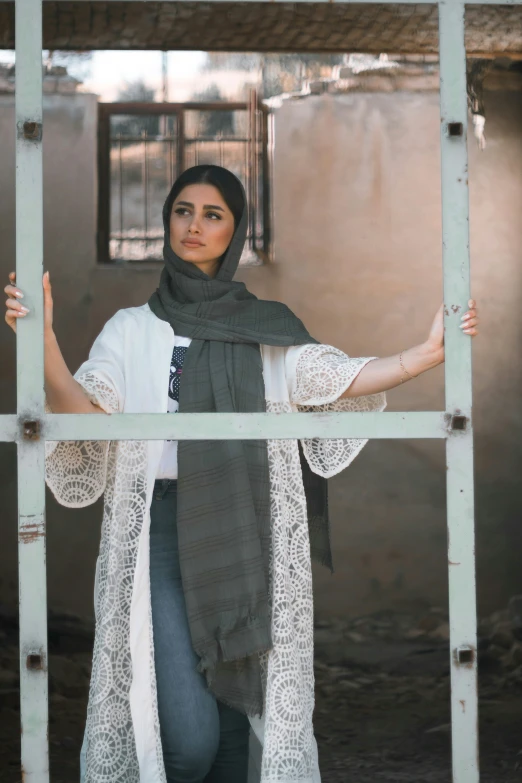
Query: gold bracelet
[(404, 368)]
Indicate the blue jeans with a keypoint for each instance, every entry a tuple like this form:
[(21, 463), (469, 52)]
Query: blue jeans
[(203, 740)]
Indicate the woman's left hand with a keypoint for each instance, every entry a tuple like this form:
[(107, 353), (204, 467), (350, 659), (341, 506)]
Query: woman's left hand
[(469, 325)]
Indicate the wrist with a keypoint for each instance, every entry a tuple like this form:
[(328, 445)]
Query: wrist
[(434, 354), (418, 360)]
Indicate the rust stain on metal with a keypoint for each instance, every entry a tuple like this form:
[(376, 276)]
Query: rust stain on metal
[(456, 308), (462, 704), (31, 531), (450, 562)]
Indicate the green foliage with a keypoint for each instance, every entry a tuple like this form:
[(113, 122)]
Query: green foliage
[(135, 125), (214, 123)]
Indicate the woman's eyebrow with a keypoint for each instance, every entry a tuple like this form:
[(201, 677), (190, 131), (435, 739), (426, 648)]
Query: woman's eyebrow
[(205, 206)]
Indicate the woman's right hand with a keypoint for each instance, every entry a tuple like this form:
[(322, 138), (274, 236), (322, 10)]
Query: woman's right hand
[(15, 309)]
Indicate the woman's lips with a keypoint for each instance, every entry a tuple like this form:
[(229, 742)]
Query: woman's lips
[(191, 243)]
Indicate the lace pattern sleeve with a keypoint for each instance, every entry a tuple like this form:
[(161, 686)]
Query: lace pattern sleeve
[(319, 375), (75, 471)]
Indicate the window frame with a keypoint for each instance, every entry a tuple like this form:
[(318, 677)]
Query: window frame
[(260, 132)]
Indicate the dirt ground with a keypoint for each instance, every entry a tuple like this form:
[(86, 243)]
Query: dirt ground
[(382, 700), (396, 725)]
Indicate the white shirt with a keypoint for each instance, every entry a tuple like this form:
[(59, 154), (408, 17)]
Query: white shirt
[(168, 467)]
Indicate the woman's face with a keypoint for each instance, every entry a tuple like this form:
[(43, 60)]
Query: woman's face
[(201, 226)]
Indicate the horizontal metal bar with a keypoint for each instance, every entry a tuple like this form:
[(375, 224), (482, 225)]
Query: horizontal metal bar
[(213, 139), (9, 428), (234, 426), (139, 108), (173, 139)]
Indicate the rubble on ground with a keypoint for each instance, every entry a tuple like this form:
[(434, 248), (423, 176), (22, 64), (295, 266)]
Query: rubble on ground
[(499, 637), (382, 688)]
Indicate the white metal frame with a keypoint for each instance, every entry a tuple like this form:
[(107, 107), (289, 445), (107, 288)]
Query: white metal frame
[(30, 427)]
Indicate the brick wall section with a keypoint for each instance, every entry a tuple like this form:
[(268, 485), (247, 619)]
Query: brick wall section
[(263, 26)]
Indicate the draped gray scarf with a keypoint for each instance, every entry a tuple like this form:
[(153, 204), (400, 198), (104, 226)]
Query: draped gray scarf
[(223, 486)]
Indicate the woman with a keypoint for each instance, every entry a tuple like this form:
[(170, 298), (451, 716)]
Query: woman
[(203, 592)]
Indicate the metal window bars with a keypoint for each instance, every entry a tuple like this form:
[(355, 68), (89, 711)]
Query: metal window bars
[(30, 426), (143, 147)]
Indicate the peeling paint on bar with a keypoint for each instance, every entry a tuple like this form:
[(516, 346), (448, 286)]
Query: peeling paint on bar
[(31, 528)]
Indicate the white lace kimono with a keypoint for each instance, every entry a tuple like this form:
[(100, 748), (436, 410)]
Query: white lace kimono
[(128, 371)]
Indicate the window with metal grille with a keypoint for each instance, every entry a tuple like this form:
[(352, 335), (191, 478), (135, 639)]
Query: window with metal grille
[(142, 149)]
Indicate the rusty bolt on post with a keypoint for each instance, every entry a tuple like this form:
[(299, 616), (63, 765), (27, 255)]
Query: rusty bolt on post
[(31, 430), (455, 129), (32, 131), (456, 422), (34, 661), (464, 656)]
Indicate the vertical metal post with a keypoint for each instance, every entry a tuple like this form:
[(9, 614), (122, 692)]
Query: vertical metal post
[(30, 394), (170, 142), (265, 162), (254, 164), (180, 127), (120, 164), (165, 89), (221, 148), (196, 139), (459, 444), (145, 177), (104, 184)]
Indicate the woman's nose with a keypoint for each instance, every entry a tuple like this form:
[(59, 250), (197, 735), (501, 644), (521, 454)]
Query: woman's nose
[(194, 227)]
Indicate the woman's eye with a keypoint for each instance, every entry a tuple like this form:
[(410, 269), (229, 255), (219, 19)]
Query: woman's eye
[(214, 215), (181, 211)]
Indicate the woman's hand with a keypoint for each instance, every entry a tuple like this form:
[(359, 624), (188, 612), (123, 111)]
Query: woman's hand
[(379, 375), (15, 309), (469, 325), (64, 394)]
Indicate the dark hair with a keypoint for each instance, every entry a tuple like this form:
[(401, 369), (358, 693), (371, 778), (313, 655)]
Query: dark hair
[(227, 183)]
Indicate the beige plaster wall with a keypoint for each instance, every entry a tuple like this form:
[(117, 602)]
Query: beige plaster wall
[(358, 257)]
